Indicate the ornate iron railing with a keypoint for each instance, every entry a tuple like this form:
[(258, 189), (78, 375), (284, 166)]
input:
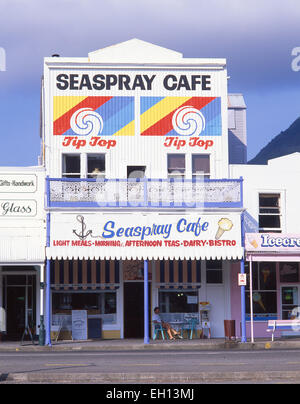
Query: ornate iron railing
[(144, 192)]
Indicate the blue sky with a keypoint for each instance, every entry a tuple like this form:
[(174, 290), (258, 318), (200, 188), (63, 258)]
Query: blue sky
[(256, 38)]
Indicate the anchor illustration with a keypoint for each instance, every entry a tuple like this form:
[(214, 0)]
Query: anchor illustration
[(81, 235)]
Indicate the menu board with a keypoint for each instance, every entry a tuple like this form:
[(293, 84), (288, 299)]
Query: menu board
[(79, 324)]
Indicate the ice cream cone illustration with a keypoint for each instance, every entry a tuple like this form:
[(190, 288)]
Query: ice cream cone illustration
[(254, 243), (224, 225), (266, 274), (257, 299)]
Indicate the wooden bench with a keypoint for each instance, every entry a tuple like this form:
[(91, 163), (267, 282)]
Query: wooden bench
[(283, 325)]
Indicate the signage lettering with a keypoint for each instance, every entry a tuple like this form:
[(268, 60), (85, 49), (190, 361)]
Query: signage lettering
[(193, 142), (142, 82), (24, 208), (268, 241)]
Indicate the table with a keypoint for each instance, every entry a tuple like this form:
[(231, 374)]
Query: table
[(177, 325)]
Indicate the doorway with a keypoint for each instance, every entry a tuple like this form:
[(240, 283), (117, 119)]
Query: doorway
[(19, 303), (134, 309), (290, 305), (136, 171)]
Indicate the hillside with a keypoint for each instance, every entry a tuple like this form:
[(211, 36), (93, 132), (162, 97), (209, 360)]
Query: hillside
[(286, 142)]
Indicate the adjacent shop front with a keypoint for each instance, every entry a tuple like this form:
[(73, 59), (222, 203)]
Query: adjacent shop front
[(22, 250), (273, 264)]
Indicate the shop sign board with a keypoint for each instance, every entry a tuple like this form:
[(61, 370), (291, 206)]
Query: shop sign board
[(95, 109), (18, 183), (18, 208), (271, 242), (138, 235), (79, 324)]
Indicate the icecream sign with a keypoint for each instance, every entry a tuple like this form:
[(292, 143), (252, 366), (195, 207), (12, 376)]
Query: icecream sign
[(272, 242)]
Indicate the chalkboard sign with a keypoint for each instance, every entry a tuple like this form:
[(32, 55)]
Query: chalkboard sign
[(95, 328), (79, 324)]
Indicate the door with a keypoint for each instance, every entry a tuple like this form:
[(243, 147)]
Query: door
[(20, 304), (216, 297), (136, 171), (289, 304), (16, 299), (134, 309), (289, 301)]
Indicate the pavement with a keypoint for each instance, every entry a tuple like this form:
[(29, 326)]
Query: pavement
[(138, 344)]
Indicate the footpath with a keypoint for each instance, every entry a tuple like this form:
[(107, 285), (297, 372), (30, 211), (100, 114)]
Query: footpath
[(138, 344)]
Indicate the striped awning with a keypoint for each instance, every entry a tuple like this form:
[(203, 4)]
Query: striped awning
[(178, 274), (84, 274)]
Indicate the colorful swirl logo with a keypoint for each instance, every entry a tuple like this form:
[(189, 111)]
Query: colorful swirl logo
[(86, 121), (188, 121)]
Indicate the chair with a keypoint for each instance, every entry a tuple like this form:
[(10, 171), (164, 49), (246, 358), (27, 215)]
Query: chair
[(190, 326), (158, 328)]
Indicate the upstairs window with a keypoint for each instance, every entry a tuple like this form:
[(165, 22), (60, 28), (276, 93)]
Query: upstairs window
[(200, 166), (176, 165), (269, 213), (96, 165), (71, 165)]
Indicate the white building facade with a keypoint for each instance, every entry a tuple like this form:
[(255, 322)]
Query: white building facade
[(136, 153), (22, 246)]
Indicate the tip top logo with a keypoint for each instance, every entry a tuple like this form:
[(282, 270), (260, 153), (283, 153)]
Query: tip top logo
[(296, 61), (2, 60)]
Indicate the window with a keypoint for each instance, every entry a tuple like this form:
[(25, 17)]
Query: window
[(71, 165), (264, 289), (200, 166), (176, 165), (289, 272), (96, 165), (269, 213), (102, 304), (214, 271), (180, 301)]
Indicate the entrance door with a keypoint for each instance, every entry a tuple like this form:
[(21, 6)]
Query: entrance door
[(19, 297), (16, 299), (134, 309), (289, 301), (289, 304)]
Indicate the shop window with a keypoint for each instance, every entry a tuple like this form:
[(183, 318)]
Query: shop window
[(97, 304), (264, 290), (289, 272), (180, 301), (200, 166), (71, 165), (96, 165), (269, 213), (176, 165), (214, 271)]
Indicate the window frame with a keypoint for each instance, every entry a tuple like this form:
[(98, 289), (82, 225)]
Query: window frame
[(65, 174), (176, 174), (269, 194), (201, 174)]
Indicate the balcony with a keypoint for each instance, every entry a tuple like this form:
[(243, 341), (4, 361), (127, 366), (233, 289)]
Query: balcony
[(144, 193)]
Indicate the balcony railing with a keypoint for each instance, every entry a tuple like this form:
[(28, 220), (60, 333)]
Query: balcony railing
[(144, 193)]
